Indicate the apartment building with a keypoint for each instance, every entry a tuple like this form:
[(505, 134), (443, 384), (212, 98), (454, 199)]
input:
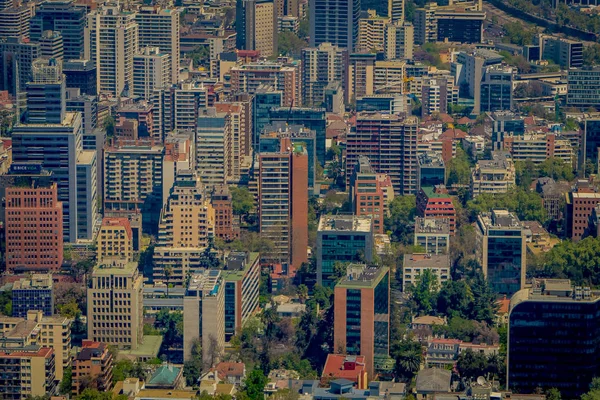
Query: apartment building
[(33, 293), (367, 196), (151, 69), (115, 240), (580, 204), (256, 26), (538, 147), (435, 202), (115, 305), (493, 176), (321, 66), (433, 235), (416, 264), (16, 57), (399, 41), (371, 32), (28, 372), (226, 227), (334, 22), (96, 361)]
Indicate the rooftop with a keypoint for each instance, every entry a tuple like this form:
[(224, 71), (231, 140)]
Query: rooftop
[(362, 276), (499, 219), (206, 282), (165, 375), (115, 268), (344, 367), (37, 281), (432, 225), (341, 223), (423, 260)]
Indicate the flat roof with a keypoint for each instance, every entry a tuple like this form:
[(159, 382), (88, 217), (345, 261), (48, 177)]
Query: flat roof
[(424, 260), (118, 269), (149, 348), (345, 223), (234, 273), (362, 276)]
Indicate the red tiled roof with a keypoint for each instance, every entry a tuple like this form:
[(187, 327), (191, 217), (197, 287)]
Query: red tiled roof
[(334, 367)]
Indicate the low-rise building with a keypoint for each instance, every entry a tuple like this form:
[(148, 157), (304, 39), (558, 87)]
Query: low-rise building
[(432, 234), (415, 264), (341, 366), (493, 176), (435, 202), (95, 361), (34, 293)]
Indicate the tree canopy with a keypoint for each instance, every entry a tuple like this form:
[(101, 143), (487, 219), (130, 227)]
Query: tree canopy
[(401, 220), (526, 204)]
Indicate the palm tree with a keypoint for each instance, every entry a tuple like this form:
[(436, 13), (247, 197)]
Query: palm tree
[(408, 363), (168, 271)]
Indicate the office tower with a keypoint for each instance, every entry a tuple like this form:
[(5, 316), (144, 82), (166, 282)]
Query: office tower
[(311, 118), (552, 331), (151, 69), (46, 97), (342, 239), (159, 27), (386, 103), (321, 66), (249, 78), (390, 142), (502, 251), (414, 265), (33, 293), (335, 22), (396, 11), (114, 305), (81, 74), (283, 205), (366, 193), (361, 67), (273, 135), (87, 106), (361, 322), (204, 316), (56, 147), (564, 52), (94, 359), (186, 223), (399, 41), (225, 225), (265, 98), (34, 209), (459, 25), (62, 16), (432, 234), (242, 280), (256, 26), (435, 202), (213, 146), (51, 45), (16, 58), (113, 41), (115, 240), (371, 32), (133, 179), (493, 176), (431, 170), (496, 89), (14, 21), (18, 366), (34, 331), (583, 87), (505, 124)]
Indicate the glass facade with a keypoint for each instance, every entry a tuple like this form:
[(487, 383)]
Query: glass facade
[(229, 310), (313, 119), (592, 141), (496, 92), (554, 344), (504, 254), (382, 320), (344, 248), (353, 304)]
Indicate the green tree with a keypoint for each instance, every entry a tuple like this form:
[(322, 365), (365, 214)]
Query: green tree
[(470, 365), (408, 355), (109, 125), (66, 383), (459, 168), (553, 394), (289, 44), (424, 292), (454, 299), (242, 200), (401, 220), (254, 385), (484, 300)]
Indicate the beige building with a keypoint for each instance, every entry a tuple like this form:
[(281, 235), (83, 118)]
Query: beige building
[(399, 41), (111, 43), (38, 330), (415, 264), (151, 70), (493, 176), (389, 76), (115, 306), (371, 32), (27, 373), (204, 316), (115, 240), (186, 223)]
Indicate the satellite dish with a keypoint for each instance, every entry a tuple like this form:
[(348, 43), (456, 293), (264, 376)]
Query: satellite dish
[(481, 380)]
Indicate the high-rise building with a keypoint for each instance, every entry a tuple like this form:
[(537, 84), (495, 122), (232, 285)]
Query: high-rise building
[(366, 193), (151, 69), (371, 32), (552, 331), (242, 281), (115, 305), (335, 22), (35, 330), (225, 226), (431, 170), (583, 87), (502, 251), (362, 315), (580, 204), (4, 4), (265, 98), (160, 27), (115, 240), (256, 26), (459, 25), (204, 316), (133, 179), (51, 45), (396, 11), (93, 360), (496, 89), (34, 228), (399, 41), (81, 74), (14, 21), (186, 223), (321, 66), (342, 239), (87, 195), (62, 16), (113, 41), (493, 176), (390, 142), (214, 146), (179, 156), (16, 58), (435, 96), (33, 293), (57, 148), (20, 365), (565, 52), (46, 95), (87, 106), (282, 204)]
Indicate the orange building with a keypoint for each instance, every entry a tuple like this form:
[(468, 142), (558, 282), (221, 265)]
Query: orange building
[(34, 228), (224, 221), (366, 193), (93, 361)]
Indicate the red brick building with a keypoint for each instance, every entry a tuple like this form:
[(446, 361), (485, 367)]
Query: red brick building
[(34, 228), (94, 362), (435, 202), (579, 206), (367, 197), (225, 227)]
